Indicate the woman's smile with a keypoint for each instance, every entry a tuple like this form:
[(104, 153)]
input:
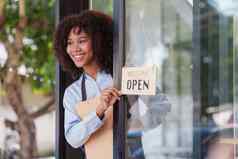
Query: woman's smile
[(79, 56), (79, 48)]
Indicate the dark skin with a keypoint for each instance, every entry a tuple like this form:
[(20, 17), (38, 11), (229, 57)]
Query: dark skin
[(79, 48)]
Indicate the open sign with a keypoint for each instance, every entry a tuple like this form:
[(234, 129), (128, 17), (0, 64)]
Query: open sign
[(139, 80)]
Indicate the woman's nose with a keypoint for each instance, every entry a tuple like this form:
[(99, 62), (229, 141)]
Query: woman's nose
[(76, 46)]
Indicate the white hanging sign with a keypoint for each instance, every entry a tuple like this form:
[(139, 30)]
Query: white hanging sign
[(139, 80)]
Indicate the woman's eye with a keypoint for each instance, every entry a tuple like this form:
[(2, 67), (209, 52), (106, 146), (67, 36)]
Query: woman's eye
[(69, 43), (82, 41)]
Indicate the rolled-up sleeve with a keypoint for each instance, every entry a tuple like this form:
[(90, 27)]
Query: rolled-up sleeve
[(78, 131)]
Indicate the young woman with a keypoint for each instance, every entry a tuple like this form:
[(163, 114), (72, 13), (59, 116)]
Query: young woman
[(83, 46)]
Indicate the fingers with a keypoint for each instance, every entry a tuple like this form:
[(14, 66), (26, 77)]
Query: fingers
[(110, 95), (111, 92), (106, 98)]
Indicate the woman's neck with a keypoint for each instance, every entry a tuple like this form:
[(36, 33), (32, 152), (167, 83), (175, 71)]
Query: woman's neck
[(92, 70)]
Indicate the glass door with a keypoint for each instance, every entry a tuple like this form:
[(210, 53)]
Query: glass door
[(159, 33), (193, 44)]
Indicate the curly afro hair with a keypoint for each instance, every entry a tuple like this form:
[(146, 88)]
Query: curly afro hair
[(99, 27)]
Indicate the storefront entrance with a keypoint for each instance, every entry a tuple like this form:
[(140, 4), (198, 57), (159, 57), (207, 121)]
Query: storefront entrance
[(193, 45)]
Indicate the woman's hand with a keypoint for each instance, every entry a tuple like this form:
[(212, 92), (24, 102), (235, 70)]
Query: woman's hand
[(108, 97)]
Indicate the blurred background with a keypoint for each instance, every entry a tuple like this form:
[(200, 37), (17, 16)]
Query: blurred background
[(27, 79)]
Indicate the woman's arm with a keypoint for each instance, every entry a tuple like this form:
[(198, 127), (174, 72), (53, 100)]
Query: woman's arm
[(84, 120), (78, 131)]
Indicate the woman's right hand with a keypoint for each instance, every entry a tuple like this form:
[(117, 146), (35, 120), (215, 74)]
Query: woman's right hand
[(108, 97)]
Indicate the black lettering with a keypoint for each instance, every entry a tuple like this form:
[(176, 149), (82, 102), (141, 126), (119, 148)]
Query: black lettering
[(146, 84), (128, 84), (139, 85), (134, 83)]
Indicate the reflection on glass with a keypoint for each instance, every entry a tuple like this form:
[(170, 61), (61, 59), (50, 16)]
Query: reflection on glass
[(227, 7), (160, 33), (218, 78)]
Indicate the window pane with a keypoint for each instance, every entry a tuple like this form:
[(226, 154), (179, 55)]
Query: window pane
[(102, 5), (218, 106), (193, 113), (160, 33)]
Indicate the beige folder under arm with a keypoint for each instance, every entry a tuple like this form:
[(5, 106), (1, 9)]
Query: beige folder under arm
[(100, 143)]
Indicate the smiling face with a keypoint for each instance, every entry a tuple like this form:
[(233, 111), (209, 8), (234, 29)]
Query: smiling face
[(79, 48)]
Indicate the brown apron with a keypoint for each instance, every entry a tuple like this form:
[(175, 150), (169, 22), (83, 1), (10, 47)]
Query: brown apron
[(100, 143)]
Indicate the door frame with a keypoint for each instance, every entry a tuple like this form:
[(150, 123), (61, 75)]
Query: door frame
[(62, 148), (120, 111), (66, 7)]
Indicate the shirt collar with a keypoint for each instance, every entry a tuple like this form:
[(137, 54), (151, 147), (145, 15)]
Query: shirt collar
[(100, 74)]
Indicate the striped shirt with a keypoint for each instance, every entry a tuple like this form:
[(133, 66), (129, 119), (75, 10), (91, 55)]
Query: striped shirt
[(78, 131)]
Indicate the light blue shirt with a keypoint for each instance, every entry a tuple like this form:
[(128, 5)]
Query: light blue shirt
[(78, 131)]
